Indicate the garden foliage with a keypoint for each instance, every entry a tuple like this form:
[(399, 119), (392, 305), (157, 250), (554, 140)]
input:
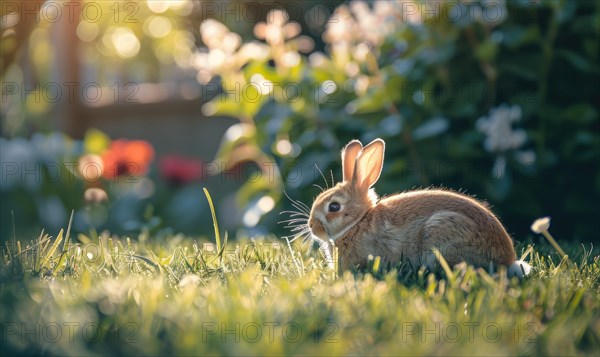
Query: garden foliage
[(496, 98)]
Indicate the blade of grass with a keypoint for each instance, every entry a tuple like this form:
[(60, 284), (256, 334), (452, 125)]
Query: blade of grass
[(563, 262), (9, 250), (187, 264), (444, 264), (214, 218), (14, 237), (557, 247), (204, 266), (292, 255), (66, 245), (221, 251), (376, 264), (53, 248), (528, 251), (35, 251)]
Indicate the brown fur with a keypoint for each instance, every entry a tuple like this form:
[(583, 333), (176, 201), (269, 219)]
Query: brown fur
[(405, 225)]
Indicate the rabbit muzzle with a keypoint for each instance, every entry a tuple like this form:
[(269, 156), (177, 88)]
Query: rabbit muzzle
[(316, 227)]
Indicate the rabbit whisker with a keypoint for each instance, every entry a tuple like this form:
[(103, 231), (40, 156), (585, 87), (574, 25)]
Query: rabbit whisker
[(289, 211), (295, 214), (292, 237), (294, 225), (294, 220), (300, 231), (303, 205), (323, 176), (306, 208), (300, 209), (300, 228), (319, 187)]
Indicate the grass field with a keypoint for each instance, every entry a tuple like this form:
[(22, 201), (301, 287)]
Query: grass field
[(101, 295)]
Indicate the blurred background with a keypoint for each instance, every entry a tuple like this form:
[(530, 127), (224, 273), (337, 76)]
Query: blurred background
[(122, 111)]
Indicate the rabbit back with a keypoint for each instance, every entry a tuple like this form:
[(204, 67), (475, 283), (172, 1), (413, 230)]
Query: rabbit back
[(409, 225)]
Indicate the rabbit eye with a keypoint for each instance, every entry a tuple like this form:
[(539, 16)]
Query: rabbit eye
[(334, 207)]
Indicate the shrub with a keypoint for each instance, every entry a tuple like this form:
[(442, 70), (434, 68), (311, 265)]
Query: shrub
[(498, 99)]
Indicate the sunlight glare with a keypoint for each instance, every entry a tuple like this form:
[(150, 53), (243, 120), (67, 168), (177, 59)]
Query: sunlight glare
[(157, 7), (87, 31), (157, 26), (265, 204), (126, 42), (284, 147)]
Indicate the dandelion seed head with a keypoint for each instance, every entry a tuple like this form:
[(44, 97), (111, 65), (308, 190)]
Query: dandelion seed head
[(541, 225)]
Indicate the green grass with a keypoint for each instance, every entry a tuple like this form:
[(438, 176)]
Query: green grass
[(100, 295)]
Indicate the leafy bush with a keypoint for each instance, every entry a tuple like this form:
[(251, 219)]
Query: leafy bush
[(498, 99)]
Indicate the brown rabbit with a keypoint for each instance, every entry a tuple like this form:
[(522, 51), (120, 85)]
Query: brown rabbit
[(407, 225)]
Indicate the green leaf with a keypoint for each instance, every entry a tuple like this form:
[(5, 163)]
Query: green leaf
[(578, 61), (523, 63), (225, 105), (236, 138), (583, 113), (515, 35), (373, 101), (565, 10), (431, 128), (262, 186), (391, 125), (487, 51)]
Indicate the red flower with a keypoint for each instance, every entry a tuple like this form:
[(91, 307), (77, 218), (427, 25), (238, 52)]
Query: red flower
[(127, 158), (179, 170)]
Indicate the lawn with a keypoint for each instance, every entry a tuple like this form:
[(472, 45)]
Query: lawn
[(98, 294), (123, 114)]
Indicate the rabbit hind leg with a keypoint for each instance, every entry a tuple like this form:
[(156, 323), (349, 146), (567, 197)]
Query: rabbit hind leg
[(454, 235)]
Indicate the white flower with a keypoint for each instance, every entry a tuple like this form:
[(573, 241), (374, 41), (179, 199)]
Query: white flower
[(254, 51), (541, 225), (341, 26), (277, 28), (95, 195), (213, 32), (498, 128)]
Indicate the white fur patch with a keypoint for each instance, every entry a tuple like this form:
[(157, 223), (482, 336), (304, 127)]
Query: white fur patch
[(519, 269), (327, 250)]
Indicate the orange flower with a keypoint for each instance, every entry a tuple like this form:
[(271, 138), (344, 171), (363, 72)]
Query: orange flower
[(127, 158)]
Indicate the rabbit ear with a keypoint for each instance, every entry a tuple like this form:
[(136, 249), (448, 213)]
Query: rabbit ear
[(368, 165), (349, 154)]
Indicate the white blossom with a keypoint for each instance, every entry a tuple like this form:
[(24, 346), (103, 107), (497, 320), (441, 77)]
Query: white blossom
[(497, 126)]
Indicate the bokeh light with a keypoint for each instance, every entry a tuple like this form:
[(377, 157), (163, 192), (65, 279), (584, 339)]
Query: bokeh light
[(125, 42), (87, 31), (157, 26)]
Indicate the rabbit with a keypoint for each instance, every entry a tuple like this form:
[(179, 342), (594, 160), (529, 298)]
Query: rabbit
[(406, 225)]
